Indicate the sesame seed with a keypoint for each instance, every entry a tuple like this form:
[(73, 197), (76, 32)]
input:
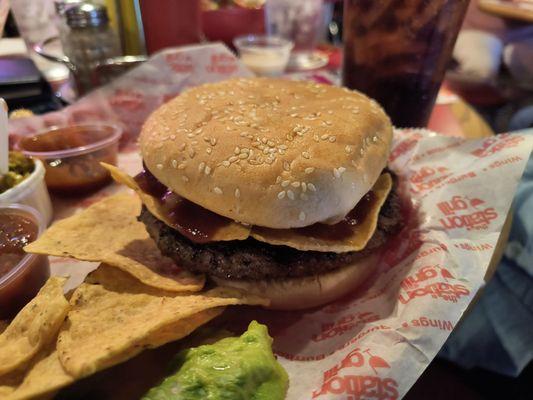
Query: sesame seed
[(237, 193), (237, 150), (305, 154), (278, 179), (324, 136), (302, 216), (233, 159), (242, 156), (286, 166), (190, 135), (281, 194), (207, 170), (192, 153), (285, 183), (332, 139), (309, 170), (217, 190), (174, 163), (201, 166), (336, 173), (182, 166), (283, 147), (304, 187), (290, 194), (311, 187), (348, 149), (208, 150), (295, 184), (330, 112), (184, 178), (374, 139), (226, 163), (172, 137), (159, 166), (361, 151)]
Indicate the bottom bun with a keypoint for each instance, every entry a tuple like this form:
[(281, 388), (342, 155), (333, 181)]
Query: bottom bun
[(313, 291)]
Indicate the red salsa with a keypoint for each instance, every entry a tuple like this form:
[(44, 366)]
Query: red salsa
[(16, 231), (78, 172), (21, 274)]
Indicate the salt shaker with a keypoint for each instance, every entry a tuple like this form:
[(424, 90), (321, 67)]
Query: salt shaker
[(89, 41)]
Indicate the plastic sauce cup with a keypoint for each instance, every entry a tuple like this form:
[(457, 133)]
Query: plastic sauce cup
[(72, 156), (31, 192), (24, 279)]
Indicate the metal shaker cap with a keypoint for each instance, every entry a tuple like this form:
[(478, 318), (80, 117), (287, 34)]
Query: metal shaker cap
[(62, 6), (86, 15)]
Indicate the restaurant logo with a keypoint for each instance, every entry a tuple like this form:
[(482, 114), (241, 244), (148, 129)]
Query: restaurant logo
[(417, 285), (358, 387), (404, 146), (427, 178), (179, 62), (496, 144), (127, 99), (344, 324), (222, 64), (462, 212)]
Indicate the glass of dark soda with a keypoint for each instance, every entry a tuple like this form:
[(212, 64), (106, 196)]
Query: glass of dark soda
[(397, 51)]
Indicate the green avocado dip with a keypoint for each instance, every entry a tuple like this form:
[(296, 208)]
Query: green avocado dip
[(20, 167), (233, 368)]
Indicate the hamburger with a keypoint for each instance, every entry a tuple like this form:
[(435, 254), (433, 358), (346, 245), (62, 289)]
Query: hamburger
[(276, 187)]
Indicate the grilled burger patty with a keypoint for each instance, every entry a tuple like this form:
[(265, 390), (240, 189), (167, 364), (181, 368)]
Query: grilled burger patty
[(251, 259)]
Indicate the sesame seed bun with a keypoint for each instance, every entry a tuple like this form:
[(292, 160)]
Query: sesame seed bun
[(307, 292), (269, 152)]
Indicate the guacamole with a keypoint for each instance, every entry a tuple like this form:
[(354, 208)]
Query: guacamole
[(20, 167), (234, 368)]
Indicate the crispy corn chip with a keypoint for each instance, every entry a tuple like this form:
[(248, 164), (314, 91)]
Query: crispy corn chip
[(232, 231), (288, 237), (106, 327), (34, 327), (109, 232), (44, 376), (357, 241)]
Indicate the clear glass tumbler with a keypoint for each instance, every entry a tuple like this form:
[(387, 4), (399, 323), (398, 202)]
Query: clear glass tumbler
[(300, 21)]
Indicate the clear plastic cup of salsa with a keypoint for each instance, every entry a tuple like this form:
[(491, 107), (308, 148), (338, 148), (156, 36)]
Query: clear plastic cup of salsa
[(72, 156), (21, 274)]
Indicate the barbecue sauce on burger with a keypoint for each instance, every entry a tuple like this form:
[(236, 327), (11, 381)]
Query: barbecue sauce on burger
[(200, 225), (192, 221)]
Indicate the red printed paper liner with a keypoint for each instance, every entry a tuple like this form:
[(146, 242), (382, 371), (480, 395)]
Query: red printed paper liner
[(375, 343)]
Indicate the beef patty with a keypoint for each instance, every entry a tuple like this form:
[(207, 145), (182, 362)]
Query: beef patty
[(251, 259)]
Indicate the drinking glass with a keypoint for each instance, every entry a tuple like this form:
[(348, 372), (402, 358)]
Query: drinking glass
[(300, 21), (397, 51)]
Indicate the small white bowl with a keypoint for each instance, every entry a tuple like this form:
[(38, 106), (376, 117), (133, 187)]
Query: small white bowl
[(264, 55), (32, 192)]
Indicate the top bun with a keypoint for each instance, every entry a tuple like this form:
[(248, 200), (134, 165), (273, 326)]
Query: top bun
[(269, 152)]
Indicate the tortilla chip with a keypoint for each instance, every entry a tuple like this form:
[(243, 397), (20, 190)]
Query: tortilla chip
[(287, 237), (44, 377), (356, 242), (232, 231), (106, 327), (34, 327), (109, 232)]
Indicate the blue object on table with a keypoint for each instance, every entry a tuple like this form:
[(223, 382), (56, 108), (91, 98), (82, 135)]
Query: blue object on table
[(497, 334)]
